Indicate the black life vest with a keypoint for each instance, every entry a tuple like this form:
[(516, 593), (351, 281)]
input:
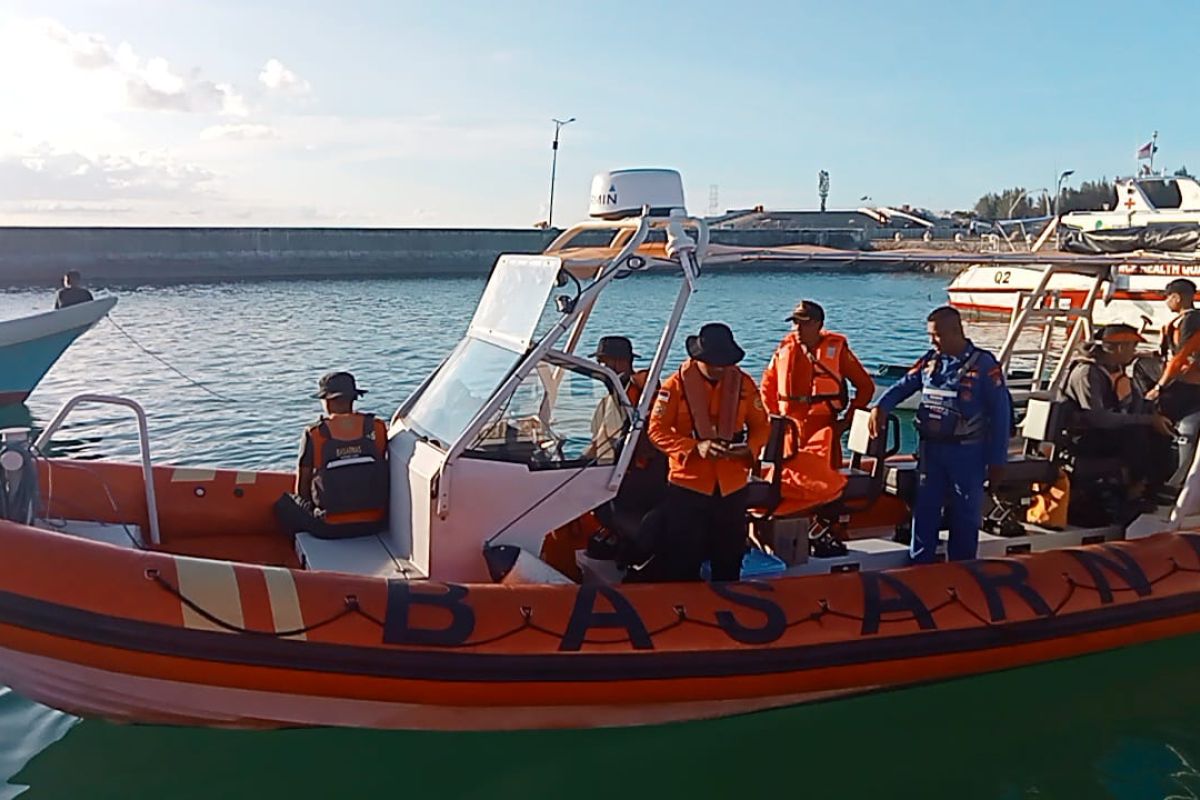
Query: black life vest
[(350, 476)]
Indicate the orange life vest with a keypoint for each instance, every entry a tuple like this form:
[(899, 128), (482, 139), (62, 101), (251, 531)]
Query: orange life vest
[(637, 386), (809, 381), (350, 476), (695, 394), (1179, 357)]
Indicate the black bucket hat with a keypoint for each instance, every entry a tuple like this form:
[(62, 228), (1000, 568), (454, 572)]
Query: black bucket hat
[(337, 384), (615, 347), (715, 346)]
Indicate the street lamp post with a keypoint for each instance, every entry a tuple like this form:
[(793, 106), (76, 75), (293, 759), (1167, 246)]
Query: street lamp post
[(1058, 190), (1017, 202), (558, 126)]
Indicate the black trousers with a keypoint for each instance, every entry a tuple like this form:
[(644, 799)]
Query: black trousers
[(691, 528), (296, 515)]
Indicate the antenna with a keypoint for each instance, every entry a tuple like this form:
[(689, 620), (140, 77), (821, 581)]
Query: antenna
[(714, 203)]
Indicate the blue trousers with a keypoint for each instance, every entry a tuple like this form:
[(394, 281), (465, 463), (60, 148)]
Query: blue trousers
[(951, 478)]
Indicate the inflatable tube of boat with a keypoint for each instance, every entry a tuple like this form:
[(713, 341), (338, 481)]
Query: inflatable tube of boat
[(128, 634)]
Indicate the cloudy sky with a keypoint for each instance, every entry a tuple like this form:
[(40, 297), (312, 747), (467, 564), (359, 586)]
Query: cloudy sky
[(181, 112)]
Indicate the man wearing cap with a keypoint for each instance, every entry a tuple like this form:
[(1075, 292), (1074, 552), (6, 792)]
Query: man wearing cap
[(708, 418), (342, 475), (806, 380), (1111, 419), (1178, 389), (964, 421)]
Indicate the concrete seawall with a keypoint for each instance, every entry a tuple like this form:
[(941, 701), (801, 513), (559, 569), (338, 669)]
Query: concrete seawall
[(161, 255)]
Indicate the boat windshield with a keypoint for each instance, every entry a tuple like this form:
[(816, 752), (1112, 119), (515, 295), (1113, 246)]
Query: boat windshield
[(459, 389)]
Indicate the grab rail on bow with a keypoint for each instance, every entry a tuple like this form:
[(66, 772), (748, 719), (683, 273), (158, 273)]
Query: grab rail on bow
[(43, 441)]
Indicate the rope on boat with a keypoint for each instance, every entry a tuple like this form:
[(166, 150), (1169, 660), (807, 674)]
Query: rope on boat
[(351, 607), (681, 616), (166, 363)]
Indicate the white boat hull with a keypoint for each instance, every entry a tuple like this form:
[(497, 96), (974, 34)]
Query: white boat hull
[(1136, 299)]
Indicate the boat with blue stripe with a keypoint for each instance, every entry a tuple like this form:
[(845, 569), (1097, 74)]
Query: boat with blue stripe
[(31, 345)]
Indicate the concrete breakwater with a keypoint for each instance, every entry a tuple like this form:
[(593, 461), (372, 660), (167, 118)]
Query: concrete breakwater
[(162, 255)]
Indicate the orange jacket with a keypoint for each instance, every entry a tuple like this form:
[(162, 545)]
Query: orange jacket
[(637, 385), (674, 431), (798, 385)]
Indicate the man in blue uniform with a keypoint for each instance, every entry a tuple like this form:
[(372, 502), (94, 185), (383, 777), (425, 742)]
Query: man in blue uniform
[(964, 422)]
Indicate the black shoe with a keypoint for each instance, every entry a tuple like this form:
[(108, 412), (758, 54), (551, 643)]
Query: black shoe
[(827, 546)]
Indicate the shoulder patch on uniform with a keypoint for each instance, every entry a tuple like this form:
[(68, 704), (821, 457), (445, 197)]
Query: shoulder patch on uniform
[(663, 396)]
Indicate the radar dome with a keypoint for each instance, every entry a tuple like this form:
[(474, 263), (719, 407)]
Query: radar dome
[(624, 192)]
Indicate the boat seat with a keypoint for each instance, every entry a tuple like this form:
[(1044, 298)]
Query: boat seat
[(900, 480), (1023, 471), (864, 484), (362, 555), (764, 494)]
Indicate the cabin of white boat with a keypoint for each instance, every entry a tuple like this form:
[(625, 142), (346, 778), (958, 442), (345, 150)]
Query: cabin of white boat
[(1137, 202)]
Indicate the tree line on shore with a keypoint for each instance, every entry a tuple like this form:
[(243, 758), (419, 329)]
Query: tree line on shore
[(1016, 203)]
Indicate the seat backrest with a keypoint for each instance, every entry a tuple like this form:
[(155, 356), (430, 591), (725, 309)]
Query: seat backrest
[(861, 444), (773, 453), (766, 498), (1044, 426), (1043, 419), (860, 434)]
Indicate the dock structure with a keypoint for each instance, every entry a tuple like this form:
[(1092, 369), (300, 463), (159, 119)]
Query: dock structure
[(39, 255)]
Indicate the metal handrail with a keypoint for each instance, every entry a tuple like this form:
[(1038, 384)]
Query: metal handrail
[(43, 441)]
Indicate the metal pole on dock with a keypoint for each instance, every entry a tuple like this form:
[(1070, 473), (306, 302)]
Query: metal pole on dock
[(558, 126)]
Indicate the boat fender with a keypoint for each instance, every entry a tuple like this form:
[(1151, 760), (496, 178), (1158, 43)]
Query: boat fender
[(509, 564), (18, 477)]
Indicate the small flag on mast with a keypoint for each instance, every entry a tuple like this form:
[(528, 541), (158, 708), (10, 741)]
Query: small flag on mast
[(1146, 150)]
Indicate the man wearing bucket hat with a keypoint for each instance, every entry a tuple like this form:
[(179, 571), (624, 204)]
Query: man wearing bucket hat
[(807, 380), (342, 476), (647, 475), (1111, 418), (709, 419)]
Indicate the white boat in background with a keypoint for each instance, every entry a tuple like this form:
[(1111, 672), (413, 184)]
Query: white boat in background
[(31, 345), (1140, 202), (1134, 297)]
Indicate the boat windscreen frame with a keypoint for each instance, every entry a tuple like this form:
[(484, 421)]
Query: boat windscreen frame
[(683, 250)]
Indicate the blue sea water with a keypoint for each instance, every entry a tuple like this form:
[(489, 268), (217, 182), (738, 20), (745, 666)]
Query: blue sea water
[(1122, 725)]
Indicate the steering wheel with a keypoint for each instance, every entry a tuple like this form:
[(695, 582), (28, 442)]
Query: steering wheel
[(548, 446)]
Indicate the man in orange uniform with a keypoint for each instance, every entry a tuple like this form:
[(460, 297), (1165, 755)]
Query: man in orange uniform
[(709, 420), (342, 472), (806, 380)]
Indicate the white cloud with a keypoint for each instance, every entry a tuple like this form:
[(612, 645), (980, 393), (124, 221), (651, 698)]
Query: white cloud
[(276, 77), (45, 64), (239, 132), (48, 176)]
